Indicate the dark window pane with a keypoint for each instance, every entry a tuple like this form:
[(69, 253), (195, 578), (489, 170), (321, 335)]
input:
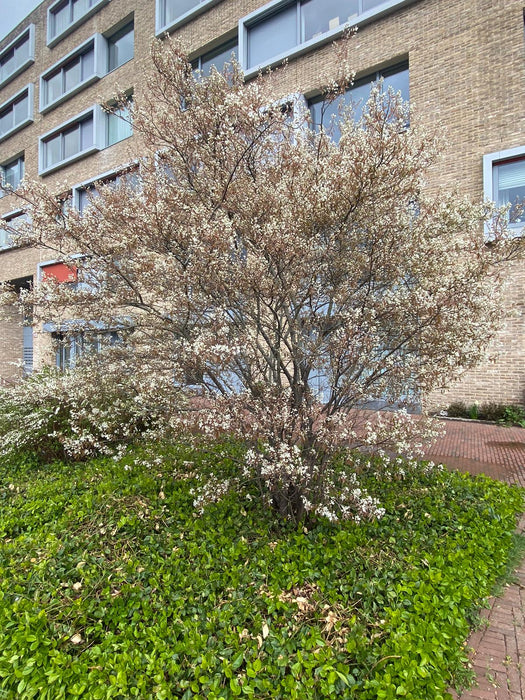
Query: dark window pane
[(72, 75), (6, 121), (88, 64), (272, 36), (21, 110), (53, 152), (71, 139), (54, 87), (86, 133), (121, 47), (218, 57), (61, 19), (80, 7)]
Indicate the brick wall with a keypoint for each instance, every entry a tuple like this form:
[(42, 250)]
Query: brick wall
[(467, 76)]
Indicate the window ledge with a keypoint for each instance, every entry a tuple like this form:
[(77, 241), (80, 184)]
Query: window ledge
[(62, 163), (54, 40), (186, 17)]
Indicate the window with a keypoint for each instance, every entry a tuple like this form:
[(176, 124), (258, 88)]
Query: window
[(504, 182), (71, 74), (16, 112), (18, 55), (86, 191), (120, 47), (12, 173), (170, 13), (118, 125), (324, 114), (290, 27), (69, 142), (9, 223), (218, 57), (69, 348), (65, 15)]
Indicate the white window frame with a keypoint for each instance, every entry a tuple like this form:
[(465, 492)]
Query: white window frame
[(246, 22), (163, 27), (490, 160), (6, 164), (100, 61), (98, 139), (53, 39), (30, 31), (30, 90), (7, 217)]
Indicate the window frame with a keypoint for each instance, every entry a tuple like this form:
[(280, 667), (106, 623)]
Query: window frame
[(53, 39), (98, 124), (29, 89), (162, 27), (492, 160), (275, 6), (99, 61), (30, 31), (20, 158)]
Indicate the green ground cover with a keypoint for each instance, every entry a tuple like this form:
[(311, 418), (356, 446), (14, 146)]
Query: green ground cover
[(111, 587)]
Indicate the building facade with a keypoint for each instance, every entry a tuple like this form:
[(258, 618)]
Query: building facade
[(461, 65)]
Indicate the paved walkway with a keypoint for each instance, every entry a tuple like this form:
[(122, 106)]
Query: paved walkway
[(498, 657)]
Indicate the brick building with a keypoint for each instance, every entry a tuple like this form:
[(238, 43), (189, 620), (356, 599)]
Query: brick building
[(461, 64)]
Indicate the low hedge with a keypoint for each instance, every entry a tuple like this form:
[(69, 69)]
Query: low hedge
[(112, 587)]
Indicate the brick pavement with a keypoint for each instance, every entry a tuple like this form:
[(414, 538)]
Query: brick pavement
[(499, 643)]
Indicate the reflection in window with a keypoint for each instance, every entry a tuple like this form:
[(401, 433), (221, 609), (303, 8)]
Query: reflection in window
[(70, 75), (171, 10), (69, 142), (272, 36), (64, 15), (320, 16), (120, 47), (16, 56), (218, 57), (299, 21), (12, 173), (16, 114), (326, 114), (118, 125)]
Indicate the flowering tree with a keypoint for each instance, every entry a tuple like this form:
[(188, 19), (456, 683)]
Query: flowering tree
[(289, 277)]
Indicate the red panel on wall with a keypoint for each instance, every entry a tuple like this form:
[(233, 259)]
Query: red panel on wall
[(60, 272)]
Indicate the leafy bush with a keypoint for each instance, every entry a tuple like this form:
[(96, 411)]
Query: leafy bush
[(80, 413), (110, 587), (490, 411), (458, 409)]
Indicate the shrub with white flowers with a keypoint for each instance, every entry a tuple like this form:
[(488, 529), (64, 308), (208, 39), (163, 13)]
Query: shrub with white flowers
[(290, 278)]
